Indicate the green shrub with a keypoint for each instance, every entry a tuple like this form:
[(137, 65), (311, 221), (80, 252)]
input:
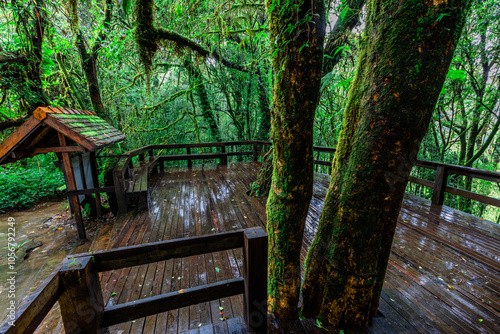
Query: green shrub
[(23, 186)]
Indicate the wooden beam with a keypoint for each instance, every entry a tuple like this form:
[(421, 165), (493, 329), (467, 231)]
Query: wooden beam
[(37, 306), (39, 136), (73, 199), (163, 250), (439, 185), (473, 196), (41, 150), (91, 191), (170, 301), (76, 137), (324, 149), (18, 136), (255, 273), (95, 180), (422, 182), (323, 163), (81, 303)]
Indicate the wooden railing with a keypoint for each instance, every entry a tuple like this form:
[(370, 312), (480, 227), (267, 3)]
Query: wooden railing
[(125, 165), (124, 170), (75, 284), (440, 186)]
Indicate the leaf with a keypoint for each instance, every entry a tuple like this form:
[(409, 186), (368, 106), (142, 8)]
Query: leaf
[(454, 74), (221, 308), (113, 294), (126, 5), (182, 291), (217, 269), (480, 320)]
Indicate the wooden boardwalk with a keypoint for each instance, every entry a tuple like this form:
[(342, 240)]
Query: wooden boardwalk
[(443, 274)]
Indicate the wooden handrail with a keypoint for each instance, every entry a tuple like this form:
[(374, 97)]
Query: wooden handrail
[(76, 279), (440, 187)]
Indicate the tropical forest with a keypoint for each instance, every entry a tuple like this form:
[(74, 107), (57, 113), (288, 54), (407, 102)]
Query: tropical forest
[(267, 166)]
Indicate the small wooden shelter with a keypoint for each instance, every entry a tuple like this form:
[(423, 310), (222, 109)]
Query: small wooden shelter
[(75, 136)]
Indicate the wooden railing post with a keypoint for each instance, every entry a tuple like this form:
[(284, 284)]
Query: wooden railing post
[(439, 185), (162, 166), (254, 151), (141, 157), (121, 196), (223, 160), (81, 303), (255, 274), (188, 152)]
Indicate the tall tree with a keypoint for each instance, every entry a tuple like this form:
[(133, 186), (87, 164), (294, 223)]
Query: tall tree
[(88, 57), (297, 34), (20, 70), (405, 53)]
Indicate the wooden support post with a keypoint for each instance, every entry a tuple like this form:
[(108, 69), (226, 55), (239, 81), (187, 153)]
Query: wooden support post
[(254, 151), (439, 185), (141, 157), (188, 152), (255, 274), (151, 155), (162, 166), (95, 179), (81, 303), (121, 196), (223, 160), (73, 199)]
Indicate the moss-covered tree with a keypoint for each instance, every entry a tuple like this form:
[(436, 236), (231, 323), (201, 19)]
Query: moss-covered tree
[(89, 58), (297, 33), (405, 53)]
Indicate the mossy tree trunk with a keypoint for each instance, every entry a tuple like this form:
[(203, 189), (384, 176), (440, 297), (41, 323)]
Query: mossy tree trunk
[(88, 58), (201, 92), (297, 35), (404, 58)]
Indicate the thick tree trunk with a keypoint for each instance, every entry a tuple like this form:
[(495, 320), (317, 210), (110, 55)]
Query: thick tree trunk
[(297, 35), (404, 58), (88, 58)]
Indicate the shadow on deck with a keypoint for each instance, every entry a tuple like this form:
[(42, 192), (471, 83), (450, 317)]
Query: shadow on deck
[(443, 274)]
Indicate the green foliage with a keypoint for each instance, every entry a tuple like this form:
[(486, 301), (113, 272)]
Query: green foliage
[(21, 187)]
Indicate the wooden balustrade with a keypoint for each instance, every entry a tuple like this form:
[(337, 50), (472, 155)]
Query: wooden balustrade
[(75, 284), (439, 186)]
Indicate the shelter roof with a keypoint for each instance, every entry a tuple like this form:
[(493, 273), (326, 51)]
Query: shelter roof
[(83, 131)]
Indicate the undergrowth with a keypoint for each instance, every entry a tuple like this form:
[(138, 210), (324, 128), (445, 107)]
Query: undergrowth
[(23, 185)]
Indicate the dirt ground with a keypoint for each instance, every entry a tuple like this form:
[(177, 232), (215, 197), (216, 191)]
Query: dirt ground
[(45, 234)]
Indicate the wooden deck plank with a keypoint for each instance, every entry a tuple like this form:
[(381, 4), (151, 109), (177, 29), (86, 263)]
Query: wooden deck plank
[(432, 250)]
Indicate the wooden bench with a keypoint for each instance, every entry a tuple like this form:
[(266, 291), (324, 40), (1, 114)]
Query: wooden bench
[(137, 187)]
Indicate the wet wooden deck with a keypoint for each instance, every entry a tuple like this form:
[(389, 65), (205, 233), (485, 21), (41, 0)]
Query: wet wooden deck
[(443, 275)]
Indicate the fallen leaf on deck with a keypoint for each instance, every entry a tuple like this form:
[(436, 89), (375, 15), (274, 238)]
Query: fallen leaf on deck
[(113, 294), (217, 269), (480, 320), (182, 291), (221, 308)]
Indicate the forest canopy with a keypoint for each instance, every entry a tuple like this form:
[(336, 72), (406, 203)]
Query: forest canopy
[(203, 72), (383, 82)]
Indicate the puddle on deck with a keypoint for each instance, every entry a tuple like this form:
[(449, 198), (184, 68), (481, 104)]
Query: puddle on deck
[(47, 243)]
